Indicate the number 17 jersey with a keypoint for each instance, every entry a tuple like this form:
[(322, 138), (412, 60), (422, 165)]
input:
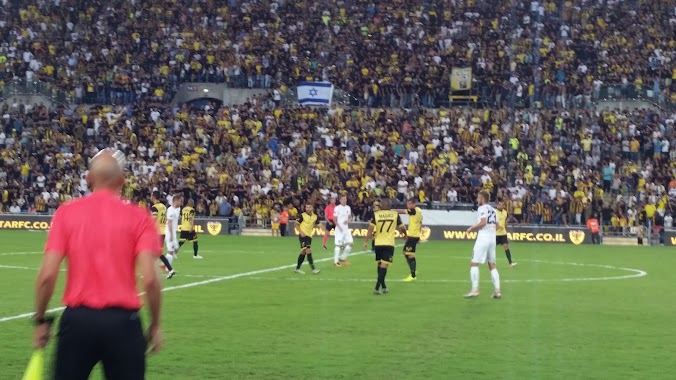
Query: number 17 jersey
[(488, 231)]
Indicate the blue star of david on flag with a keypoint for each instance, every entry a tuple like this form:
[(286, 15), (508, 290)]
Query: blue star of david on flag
[(313, 92)]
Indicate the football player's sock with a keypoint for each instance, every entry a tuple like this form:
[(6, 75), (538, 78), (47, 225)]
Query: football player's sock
[(495, 276), (195, 247), (326, 238), (509, 256), (301, 258), (474, 276), (166, 263), (411, 264), (336, 254), (310, 260), (180, 243), (378, 278), (382, 272), (170, 258), (346, 252)]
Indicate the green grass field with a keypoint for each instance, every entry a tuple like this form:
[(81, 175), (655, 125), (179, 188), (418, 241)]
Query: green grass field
[(568, 312)]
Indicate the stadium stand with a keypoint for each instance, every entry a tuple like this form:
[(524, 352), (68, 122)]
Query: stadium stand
[(534, 136)]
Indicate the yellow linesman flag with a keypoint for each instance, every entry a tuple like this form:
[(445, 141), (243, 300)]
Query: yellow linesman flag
[(461, 78), (36, 366)]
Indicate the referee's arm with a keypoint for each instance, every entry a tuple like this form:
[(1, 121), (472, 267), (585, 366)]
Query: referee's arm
[(146, 256), (55, 251)]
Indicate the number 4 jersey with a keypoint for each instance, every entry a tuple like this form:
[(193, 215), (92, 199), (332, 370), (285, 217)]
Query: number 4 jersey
[(487, 231)]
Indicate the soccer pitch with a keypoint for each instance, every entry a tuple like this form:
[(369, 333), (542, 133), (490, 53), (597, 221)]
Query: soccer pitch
[(567, 312)]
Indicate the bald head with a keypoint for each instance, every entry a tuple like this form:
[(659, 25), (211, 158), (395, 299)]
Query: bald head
[(105, 171)]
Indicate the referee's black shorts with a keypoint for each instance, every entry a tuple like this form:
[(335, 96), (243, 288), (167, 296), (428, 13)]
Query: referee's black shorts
[(111, 336), (330, 226)]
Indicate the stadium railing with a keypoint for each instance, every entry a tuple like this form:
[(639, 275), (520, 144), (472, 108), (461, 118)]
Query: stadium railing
[(618, 92), (23, 87)]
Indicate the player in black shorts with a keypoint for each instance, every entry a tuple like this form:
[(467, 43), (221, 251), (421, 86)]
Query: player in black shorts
[(187, 236), (188, 233), (501, 232), (411, 243), (501, 239), (330, 226), (305, 242)]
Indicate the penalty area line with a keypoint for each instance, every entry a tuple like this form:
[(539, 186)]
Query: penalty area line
[(194, 284)]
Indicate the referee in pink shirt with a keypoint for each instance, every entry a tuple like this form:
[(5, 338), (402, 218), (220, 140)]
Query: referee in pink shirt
[(104, 240)]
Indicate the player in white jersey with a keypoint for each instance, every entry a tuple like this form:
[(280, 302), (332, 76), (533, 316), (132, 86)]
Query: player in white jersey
[(343, 238), (171, 229), (484, 247)]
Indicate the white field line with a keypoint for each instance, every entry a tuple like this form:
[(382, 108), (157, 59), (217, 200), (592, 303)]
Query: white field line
[(193, 284), (19, 253), (635, 274)]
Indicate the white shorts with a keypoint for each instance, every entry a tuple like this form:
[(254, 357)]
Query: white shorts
[(172, 245), (484, 250), (343, 238)]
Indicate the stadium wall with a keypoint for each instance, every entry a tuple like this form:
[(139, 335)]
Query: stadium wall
[(527, 233), (42, 222)]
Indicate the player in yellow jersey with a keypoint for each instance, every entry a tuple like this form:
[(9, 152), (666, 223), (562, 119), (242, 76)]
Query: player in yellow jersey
[(501, 232), (383, 228), (306, 226), (188, 232), (413, 233), (159, 212)]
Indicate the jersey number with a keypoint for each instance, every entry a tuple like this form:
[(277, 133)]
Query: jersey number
[(492, 218), (382, 223), (163, 219)]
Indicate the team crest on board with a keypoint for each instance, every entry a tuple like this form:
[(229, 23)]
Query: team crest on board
[(214, 228), (425, 233), (576, 236)]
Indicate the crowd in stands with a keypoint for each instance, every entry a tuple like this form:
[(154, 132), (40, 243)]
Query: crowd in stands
[(554, 166), (394, 53), (535, 141)]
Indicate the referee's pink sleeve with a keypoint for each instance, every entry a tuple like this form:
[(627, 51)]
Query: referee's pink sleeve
[(148, 239), (57, 238)]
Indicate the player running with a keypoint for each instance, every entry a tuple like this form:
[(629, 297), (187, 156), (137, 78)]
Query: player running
[(306, 225), (413, 234), (188, 232), (171, 228), (484, 247), (342, 215), (159, 212), (382, 228), (501, 232), (328, 215)]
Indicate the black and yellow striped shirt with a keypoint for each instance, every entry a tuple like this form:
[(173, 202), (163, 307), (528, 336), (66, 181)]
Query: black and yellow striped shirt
[(547, 216)]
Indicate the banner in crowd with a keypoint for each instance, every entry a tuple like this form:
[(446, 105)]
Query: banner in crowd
[(461, 78), (43, 222), (315, 93), (670, 238), (530, 234)]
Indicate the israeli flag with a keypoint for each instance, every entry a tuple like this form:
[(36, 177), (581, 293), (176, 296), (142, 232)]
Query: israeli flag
[(315, 93)]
